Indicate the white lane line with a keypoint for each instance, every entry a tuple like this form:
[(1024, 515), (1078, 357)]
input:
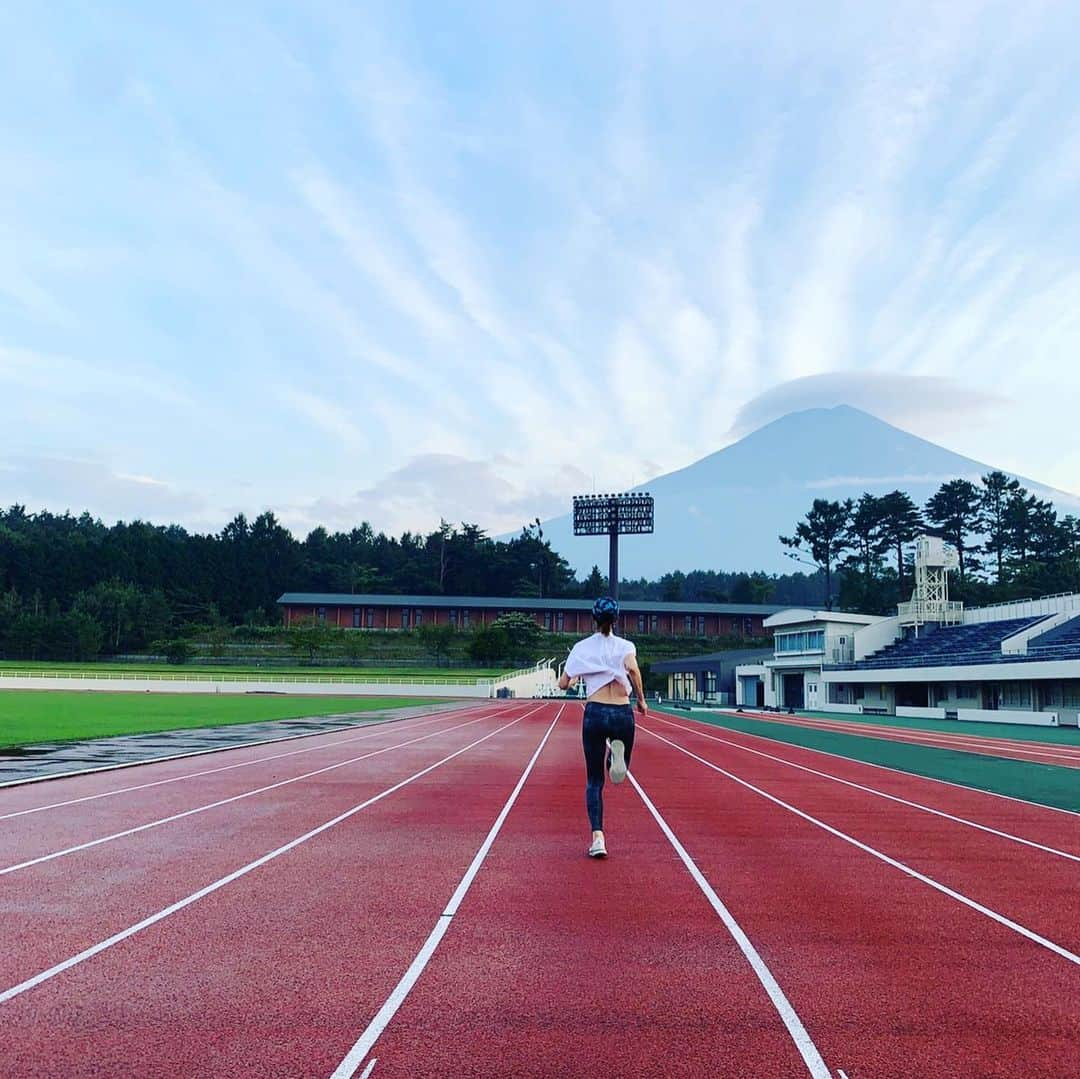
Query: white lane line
[(355, 1056), (879, 794), (234, 798), (182, 756), (937, 885), (236, 874), (841, 1074), (887, 768), (375, 1060), (803, 1042), (371, 730)]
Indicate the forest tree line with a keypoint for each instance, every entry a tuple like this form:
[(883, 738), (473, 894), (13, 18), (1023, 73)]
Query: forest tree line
[(1010, 544), (72, 587)]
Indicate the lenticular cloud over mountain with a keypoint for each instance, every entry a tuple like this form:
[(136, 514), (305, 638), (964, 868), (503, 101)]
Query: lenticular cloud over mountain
[(727, 510)]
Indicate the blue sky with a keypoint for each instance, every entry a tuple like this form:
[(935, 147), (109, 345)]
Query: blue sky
[(400, 261)]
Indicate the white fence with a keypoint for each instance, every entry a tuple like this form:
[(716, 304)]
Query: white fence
[(1031, 719), (314, 685), (1025, 608), (912, 711)]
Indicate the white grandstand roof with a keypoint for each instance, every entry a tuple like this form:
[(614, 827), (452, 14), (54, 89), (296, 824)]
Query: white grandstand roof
[(797, 616)]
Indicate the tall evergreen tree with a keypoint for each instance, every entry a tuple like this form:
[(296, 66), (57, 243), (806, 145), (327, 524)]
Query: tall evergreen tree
[(954, 512), (901, 522), (824, 535), (998, 490)]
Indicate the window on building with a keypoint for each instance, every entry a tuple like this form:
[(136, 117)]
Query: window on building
[(370, 618), (404, 617), (1015, 695), (810, 641), (453, 617), (710, 683), (1070, 694), (321, 614), (357, 617), (641, 623), (418, 616), (547, 620), (465, 619), (560, 621), (748, 627), (701, 625), (688, 623), (654, 623)]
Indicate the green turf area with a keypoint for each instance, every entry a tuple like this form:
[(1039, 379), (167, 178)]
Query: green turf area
[(1060, 735), (1047, 784), (230, 672), (28, 716)]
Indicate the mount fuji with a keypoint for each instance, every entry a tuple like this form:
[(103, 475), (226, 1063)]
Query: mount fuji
[(726, 511)]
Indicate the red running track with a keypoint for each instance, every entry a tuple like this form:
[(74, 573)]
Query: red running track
[(1067, 756), (552, 964)]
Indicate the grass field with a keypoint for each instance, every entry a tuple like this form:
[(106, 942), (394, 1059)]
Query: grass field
[(228, 670), (45, 716)]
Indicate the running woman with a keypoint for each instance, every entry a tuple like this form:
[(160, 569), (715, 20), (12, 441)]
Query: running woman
[(608, 664)]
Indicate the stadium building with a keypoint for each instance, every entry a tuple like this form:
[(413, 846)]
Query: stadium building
[(1016, 662), (707, 679), (382, 612)]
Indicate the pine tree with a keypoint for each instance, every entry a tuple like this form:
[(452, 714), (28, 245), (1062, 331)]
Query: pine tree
[(998, 490), (954, 511), (824, 532), (901, 522)]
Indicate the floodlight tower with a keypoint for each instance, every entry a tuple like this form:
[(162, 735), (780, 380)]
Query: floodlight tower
[(613, 516)]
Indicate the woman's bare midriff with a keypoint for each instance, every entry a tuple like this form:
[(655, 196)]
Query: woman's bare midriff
[(612, 693)]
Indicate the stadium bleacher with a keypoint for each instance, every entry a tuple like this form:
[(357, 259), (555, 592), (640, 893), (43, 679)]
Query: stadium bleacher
[(1063, 642), (946, 646)]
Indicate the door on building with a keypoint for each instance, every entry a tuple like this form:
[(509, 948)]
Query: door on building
[(812, 694), (794, 696), (753, 691)]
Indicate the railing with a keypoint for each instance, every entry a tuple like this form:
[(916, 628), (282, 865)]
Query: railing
[(185, 676), (948, 611)]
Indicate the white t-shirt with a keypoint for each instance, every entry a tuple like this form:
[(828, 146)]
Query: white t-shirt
[(600, 660)]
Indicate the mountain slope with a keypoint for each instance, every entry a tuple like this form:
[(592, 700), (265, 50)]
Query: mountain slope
[(727, 510)]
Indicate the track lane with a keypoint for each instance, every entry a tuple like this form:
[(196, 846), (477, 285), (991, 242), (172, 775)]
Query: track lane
[(1011, 821), (559, 965), (1030, 886), (37, 840), (890, 976), (1047, 825), (265, 976), (58, 908)]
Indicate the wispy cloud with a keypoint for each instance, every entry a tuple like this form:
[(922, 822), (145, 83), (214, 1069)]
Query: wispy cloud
[(336, 248)]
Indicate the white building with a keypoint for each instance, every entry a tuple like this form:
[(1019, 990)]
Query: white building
[(1012, 662), (804, 642)]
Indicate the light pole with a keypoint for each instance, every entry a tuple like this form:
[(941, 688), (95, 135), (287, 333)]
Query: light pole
[(613, 516)]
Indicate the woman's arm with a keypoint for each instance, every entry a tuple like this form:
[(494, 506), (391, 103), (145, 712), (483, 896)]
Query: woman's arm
[(635, 680)]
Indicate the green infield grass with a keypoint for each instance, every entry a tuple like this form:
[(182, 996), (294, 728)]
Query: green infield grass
[(29, 716)]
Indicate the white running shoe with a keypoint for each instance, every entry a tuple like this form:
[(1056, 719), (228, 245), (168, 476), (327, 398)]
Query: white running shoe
[(598, 850), (617, 768)]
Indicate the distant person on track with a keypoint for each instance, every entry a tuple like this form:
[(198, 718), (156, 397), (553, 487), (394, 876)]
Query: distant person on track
[(608, 665)]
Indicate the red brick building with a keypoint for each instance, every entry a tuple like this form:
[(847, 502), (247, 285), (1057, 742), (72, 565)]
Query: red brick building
[(371, 612)]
